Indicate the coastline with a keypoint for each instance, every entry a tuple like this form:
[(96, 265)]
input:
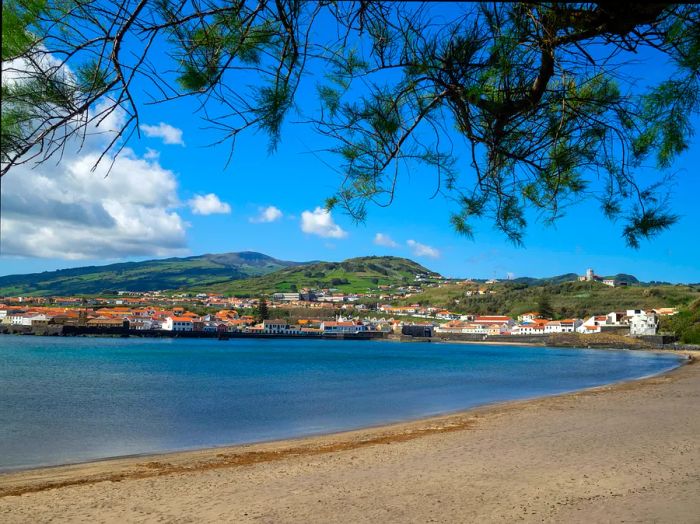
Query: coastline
[(35, 480)]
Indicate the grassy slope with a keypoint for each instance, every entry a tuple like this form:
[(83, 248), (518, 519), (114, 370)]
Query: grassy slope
[(350, 276), (686, 324), (568, 299), (141, 276)]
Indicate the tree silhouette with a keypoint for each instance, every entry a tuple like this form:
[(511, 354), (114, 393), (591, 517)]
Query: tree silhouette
[(512, 106), (262, 312), (544, 305)]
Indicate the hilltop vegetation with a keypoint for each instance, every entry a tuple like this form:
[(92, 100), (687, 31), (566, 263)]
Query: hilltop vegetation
[(245, 273), (150, 275), (355, 275), (568, 299), (571, 277), (686, 324)]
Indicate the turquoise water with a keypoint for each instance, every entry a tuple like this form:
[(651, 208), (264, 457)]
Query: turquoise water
[(65, 400)]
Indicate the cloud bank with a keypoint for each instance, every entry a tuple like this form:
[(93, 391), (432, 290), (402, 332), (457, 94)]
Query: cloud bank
[(68, 211)]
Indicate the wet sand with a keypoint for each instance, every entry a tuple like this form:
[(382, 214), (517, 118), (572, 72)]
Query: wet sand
[(628, 452)]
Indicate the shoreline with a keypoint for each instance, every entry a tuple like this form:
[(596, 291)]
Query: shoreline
[(150, 465), (560, 340)]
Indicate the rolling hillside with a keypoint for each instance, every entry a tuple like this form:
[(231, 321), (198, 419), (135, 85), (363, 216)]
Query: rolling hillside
[(170, 273), (352, 275), (571, 277), (567, 298)]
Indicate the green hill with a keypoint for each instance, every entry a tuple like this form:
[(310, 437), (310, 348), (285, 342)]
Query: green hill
[(567, 298), (571, 277), (567, 277), (352, 275), (170, 273), (686, 324)]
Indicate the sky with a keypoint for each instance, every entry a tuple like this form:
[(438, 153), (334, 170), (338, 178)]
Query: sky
[(172, 194)]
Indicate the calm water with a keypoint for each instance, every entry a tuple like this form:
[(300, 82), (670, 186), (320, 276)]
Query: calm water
[(68, 400)]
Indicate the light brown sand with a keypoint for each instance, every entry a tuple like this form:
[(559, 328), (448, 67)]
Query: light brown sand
[(624, 453)]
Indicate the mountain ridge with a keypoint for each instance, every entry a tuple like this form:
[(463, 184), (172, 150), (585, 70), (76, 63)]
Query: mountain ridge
[(215, 272), (147, 275)]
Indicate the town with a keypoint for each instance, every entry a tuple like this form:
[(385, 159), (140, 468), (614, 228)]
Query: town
[(307, 313)]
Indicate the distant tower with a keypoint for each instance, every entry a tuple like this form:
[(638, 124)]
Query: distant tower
[(589, 274)]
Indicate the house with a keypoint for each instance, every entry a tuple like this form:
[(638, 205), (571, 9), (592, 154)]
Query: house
[(28, 319), (472, 328), (214, 327), (529, 317), (140, 324), (665, 311), (178, 324), (17, 318), (616, 318), (562, 326), (592, 325), (453, 326), (341, 327), (531, 328), (494, 319), (275, 326), (107, 322), (643, 323)]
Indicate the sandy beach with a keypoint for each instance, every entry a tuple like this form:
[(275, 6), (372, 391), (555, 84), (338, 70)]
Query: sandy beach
[(623, 453)]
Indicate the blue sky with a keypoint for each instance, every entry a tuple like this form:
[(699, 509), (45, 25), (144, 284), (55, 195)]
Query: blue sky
[(179, 217)]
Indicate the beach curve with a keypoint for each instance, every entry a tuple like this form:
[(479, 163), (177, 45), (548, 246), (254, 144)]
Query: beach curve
[(500, 426)]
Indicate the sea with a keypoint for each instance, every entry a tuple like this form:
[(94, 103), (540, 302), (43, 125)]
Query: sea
[(68, 400)]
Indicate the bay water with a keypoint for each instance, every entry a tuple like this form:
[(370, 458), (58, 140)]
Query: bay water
[(67, 400)]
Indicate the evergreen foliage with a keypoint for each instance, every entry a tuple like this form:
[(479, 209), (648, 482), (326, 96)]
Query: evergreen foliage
[(544, 305), (262, 312), (536, 92)]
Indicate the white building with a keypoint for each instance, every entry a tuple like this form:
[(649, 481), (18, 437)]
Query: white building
[(643, 323), (529, 317), (178, 324), (19, 319), (498, 320), (562, 326), (27, 319), (342, 327), (529, 329), (286, 297), (593, 324)]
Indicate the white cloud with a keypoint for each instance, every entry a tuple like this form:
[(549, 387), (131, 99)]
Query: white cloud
[(151, 154), (68, 211), (422, 250), (208, 204), (381, 239), (169, 134), (267, 214), (320, 222), (77, 209)]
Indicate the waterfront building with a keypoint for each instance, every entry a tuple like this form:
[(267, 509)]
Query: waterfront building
[(643, 323)]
